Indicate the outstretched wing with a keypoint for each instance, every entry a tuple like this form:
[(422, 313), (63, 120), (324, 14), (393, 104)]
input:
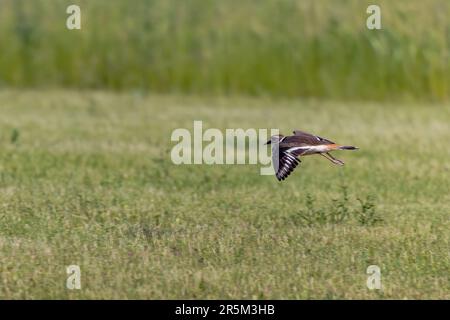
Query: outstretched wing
[(285, 160)]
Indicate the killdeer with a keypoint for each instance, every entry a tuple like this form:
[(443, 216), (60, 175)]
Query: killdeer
[(287, 149)]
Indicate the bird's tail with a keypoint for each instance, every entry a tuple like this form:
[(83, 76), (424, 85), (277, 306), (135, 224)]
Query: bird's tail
[(347, 148)]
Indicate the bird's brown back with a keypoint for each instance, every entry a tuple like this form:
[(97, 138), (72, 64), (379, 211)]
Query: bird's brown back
[(301, 138)]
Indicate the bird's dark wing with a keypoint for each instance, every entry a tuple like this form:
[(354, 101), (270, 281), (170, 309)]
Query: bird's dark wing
[(285, 162), (310, 139)]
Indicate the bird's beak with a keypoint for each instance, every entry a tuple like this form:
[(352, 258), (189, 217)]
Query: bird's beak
[(268, 142)]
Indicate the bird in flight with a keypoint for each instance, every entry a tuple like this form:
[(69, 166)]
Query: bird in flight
[(286, 151)]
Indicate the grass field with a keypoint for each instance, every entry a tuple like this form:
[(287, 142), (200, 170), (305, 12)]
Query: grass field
[(86, 179)]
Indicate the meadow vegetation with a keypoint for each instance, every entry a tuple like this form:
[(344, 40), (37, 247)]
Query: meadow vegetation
[(86, 179)]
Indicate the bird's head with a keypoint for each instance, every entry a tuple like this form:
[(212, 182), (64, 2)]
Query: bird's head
[(275, 139)]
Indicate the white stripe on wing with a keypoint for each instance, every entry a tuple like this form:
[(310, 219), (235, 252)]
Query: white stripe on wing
[(297, 148)]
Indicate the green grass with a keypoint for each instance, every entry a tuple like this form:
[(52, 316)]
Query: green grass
[(86, 179), (279, 48)]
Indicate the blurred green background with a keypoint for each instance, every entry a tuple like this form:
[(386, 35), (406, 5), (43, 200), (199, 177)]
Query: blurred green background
[(285, 48)]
